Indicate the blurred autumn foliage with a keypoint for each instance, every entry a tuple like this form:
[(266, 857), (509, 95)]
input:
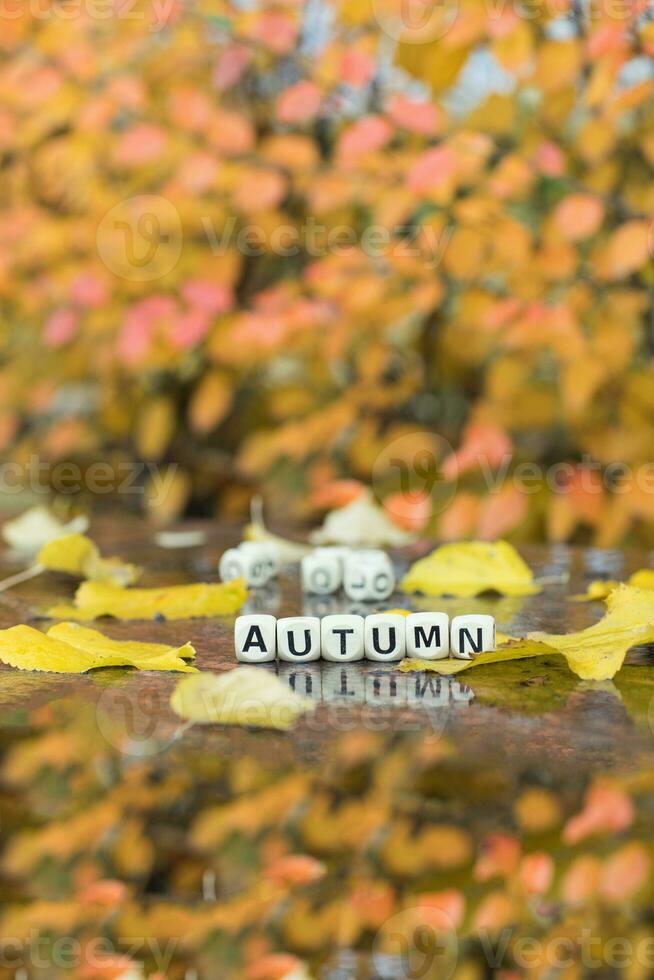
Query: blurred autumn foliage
[(264, 242), (192, 859)]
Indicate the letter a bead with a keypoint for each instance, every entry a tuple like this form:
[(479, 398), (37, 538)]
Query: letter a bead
[(255, 639), (298, 639)]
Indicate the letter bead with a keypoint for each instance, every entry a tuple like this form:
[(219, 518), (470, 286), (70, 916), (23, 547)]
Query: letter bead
[(471, 635), (255, 639), (367, 579), (342, 638), (428, 635), (298, 639), (385, 637), (322, 573), (251, 565), (265, 552)]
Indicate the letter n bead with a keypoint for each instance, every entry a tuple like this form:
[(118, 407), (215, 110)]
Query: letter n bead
[(385, 637), (342, 638), (471, 635), (255, 639), (428, 635), (298, 639)]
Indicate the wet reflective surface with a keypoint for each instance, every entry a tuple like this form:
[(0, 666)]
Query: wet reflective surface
[(528, 709), (220, 847)]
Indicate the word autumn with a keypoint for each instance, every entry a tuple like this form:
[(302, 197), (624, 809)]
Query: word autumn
[(382, 637)]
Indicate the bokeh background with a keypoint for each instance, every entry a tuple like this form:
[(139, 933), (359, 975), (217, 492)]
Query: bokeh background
[(293, 248)]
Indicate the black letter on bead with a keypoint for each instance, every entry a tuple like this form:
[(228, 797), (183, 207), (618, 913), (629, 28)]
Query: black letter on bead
[(342, 634), (421, 636), (307, 644), (391, 640), (254, 639), (466, 636)]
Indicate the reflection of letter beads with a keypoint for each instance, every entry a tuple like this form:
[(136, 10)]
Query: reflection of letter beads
[(384, 637)]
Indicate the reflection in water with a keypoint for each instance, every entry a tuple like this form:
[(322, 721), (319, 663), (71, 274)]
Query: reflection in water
[(353, 684), (263, 601)]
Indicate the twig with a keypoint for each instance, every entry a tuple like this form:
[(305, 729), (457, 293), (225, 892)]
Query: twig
[(32, 572)]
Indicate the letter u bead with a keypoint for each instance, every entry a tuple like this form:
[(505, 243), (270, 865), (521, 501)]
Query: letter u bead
[(385, 637), (298, 639)]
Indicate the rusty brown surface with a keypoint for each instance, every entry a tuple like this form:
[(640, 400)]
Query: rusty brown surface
[(531, 713)]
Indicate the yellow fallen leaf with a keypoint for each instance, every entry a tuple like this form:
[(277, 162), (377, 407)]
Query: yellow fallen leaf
[(509, 649), (601, 588), (597, 653), (643, 579), (597, 590), (243, 696), (28, 649), (146, 656), (77, 555), (470, 568), (201, 599)]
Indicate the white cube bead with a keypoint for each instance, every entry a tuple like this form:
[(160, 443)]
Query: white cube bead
[(385, 637), (255, 638), (428, 635), (342, 638), (471, 635), (266, 552), (239, 563), (368, 579), (298, 639), (322, 573)]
